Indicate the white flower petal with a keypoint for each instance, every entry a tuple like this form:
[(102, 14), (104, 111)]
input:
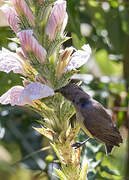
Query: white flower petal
[(87, 48), (35, 91), (18, 95), (79, 58), (11, 96), (10, 61), (64, 23)]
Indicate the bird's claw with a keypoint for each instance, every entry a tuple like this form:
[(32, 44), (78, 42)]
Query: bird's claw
[(77, 145)]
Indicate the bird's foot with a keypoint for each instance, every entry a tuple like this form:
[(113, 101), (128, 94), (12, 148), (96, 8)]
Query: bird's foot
[(79, 144)]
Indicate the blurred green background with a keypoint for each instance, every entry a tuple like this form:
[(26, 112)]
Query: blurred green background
[(105, 26)]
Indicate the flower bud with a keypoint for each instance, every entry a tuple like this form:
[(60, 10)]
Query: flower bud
[(11, 16), (30, 45), (56, 18), (23, 9)]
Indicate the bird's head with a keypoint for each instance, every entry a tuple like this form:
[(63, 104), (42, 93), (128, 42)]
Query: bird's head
[(72, 92)]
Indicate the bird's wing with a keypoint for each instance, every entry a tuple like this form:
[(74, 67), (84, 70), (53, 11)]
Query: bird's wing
[(100, 124)]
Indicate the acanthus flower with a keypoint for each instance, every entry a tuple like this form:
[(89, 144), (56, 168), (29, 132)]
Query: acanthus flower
[(11, 16), (30, 44), (10, 61), (19, 95), (58, 17), (78, 58), (11, 96), (22, 8), (69, 61)]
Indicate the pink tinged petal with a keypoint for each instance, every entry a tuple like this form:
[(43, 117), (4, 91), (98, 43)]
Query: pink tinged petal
[(35, 91), (22, 8), (64, 23), (64, 59), (10, 61), (56, 18), (11, 16), (30, 44), (11, 96), (66, 54), (79, 58), (40, 1)]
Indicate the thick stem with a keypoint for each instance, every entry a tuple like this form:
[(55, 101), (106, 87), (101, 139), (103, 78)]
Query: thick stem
[(126, 64), (126, 76), (127, 164)]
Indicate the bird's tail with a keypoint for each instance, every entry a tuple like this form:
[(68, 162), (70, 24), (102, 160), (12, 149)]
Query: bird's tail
[(108, 148)]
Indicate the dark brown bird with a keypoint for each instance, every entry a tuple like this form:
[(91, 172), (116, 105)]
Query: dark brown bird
[(92, 117)]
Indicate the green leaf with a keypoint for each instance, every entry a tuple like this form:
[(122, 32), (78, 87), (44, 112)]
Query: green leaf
[(47, 70), (77, 42), (8, 80), (107, 170), (56, 151), (117, 37), (46, 132), (54, 45), (16, 40), (120, 120), (93, 3), (117, 87), (124, 21), (103, 61), (44, 9), (114, 4), (67, 111), (83, 173), (60, 174), (64, 80)]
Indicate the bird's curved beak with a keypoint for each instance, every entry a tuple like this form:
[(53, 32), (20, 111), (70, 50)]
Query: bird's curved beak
[(58, 90)]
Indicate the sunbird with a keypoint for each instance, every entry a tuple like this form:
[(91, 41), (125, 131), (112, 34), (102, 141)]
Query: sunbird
[(92, 117)]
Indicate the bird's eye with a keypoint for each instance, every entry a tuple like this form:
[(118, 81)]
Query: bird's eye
[(82, 105), (73, 101), (82, 102)]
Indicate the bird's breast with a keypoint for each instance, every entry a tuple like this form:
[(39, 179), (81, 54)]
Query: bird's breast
[(80, 120)]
